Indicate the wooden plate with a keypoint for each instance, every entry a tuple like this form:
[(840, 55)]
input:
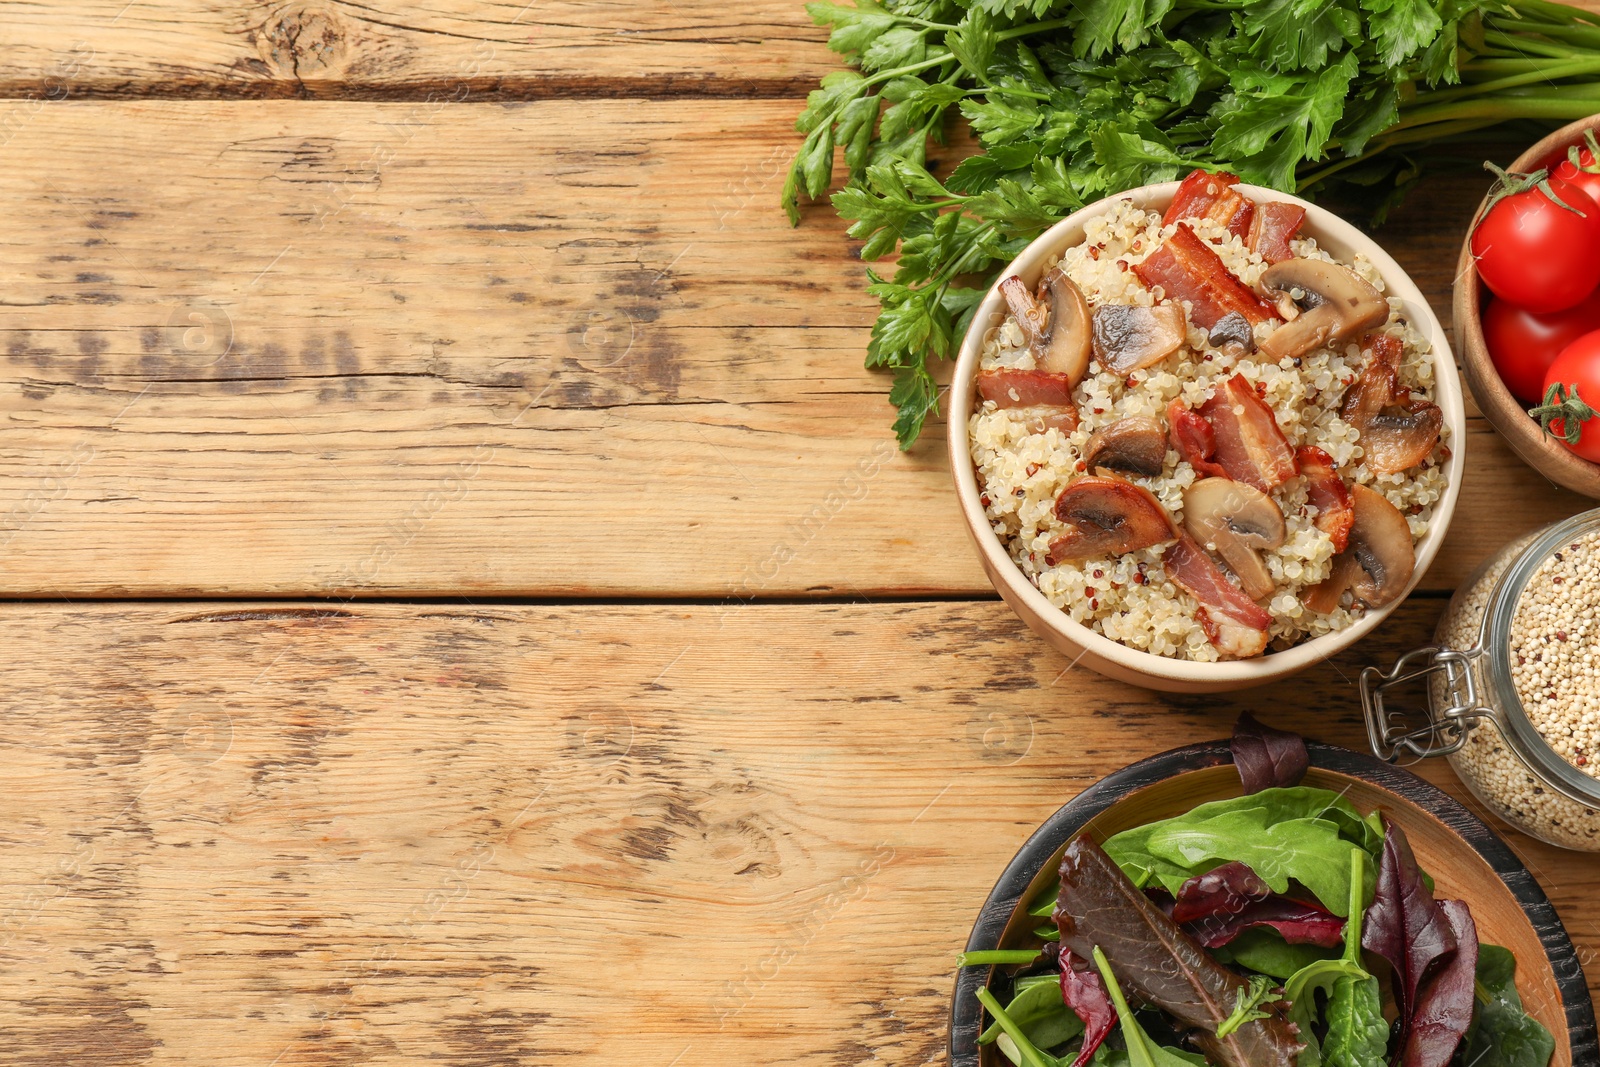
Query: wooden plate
[(1505, 412), (1466, 858)]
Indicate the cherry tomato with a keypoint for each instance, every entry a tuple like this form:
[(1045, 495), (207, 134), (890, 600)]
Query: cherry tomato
[(1536, 253), (1581, 174), (1523, 345), (1577, 368)]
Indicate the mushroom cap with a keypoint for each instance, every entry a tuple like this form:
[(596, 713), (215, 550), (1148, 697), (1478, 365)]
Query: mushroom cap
[(1235, 520), (1380, 542), (1109, 516), (1056, 322), (1136, 444), (1128, 337), (1232, 328), (1337, 303), (1377, 563)]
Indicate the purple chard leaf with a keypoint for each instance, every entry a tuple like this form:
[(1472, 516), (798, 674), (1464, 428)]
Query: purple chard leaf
[(1445, 1003), (1266, 757)]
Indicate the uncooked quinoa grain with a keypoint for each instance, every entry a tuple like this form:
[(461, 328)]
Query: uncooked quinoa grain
[(1022, 470), (1562, 711), (1559, 682)]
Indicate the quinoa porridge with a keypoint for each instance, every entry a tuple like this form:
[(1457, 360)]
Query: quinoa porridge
[(1262, 481)]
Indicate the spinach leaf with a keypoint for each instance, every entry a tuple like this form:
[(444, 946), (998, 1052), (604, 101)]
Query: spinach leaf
[(1357, 1034), (1264, 950), (1504, 1035), (1013, 1041), (1042, 1015), (1132, 849), (1309, 851), (1141, 1050)]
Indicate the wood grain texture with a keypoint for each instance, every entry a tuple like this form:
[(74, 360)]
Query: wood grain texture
[(503, 49), (277, 348), (399, 835)]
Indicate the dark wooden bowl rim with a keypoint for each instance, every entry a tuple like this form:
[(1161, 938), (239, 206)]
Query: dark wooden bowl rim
[(965, 1010)]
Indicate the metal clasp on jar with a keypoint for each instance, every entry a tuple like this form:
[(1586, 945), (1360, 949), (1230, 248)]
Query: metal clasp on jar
[(1446, 731)]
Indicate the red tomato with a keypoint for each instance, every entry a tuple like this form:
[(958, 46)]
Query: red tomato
[(1580, 175), (1578, 368), (1536, 253), (1523, 345)]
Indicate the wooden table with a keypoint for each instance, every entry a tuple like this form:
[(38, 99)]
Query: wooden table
[(438, 624)]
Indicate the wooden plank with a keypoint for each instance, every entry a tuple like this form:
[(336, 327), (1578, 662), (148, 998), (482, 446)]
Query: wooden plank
[(399, 834), (279, 349), (507, 49), (385, 49)]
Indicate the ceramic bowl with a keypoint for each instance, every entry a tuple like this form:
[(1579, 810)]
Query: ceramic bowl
[(1506, 413), (1083, 645), (1466, 859)]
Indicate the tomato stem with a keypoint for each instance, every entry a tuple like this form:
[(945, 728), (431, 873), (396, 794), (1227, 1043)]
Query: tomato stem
[(1563, 405)]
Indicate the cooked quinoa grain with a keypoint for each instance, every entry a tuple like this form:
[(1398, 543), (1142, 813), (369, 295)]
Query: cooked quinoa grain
[(1022, 468)]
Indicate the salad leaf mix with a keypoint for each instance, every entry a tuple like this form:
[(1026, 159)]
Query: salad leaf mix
[(1073, 100), (1216, 938)]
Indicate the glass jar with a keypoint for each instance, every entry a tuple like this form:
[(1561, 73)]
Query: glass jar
[(1488, 657)]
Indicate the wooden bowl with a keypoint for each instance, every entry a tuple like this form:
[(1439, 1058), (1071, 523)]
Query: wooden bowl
[(1467, 860), (1505, 412), (1094, 650)]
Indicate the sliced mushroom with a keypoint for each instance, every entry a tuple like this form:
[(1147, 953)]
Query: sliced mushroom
[(1232, 328), (1135, 445), (1055, 320), (1376, 565), (1109, 516), (1235, 521), (1336, 303), (1397, 430), (1128, 337)]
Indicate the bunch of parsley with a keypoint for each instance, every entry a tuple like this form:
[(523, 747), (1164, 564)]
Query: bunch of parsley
[(1072, 100)]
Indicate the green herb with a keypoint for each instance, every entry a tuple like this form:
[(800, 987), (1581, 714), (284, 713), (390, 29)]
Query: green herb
[(997, 956), (1301, 834), (1357, 1033), (1142, 1049), (1503, 1035), (1040, 1014), (1247, 1004), (1026, 1051), (1071, 101), (1264, 950)]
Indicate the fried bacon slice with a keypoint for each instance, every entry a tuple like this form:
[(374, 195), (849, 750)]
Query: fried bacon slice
[(1025, 388), (1251, 447), (1327, 493), (1187, 268), (1194, 439), (1234, 623), (1274, 226), (1212, 196)]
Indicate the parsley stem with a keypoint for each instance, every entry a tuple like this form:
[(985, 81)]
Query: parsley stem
[(1525, 45), (889, 75), (1037, 27), (1561, 12), (1576, 106), (1568, 33), (1550, 72)]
